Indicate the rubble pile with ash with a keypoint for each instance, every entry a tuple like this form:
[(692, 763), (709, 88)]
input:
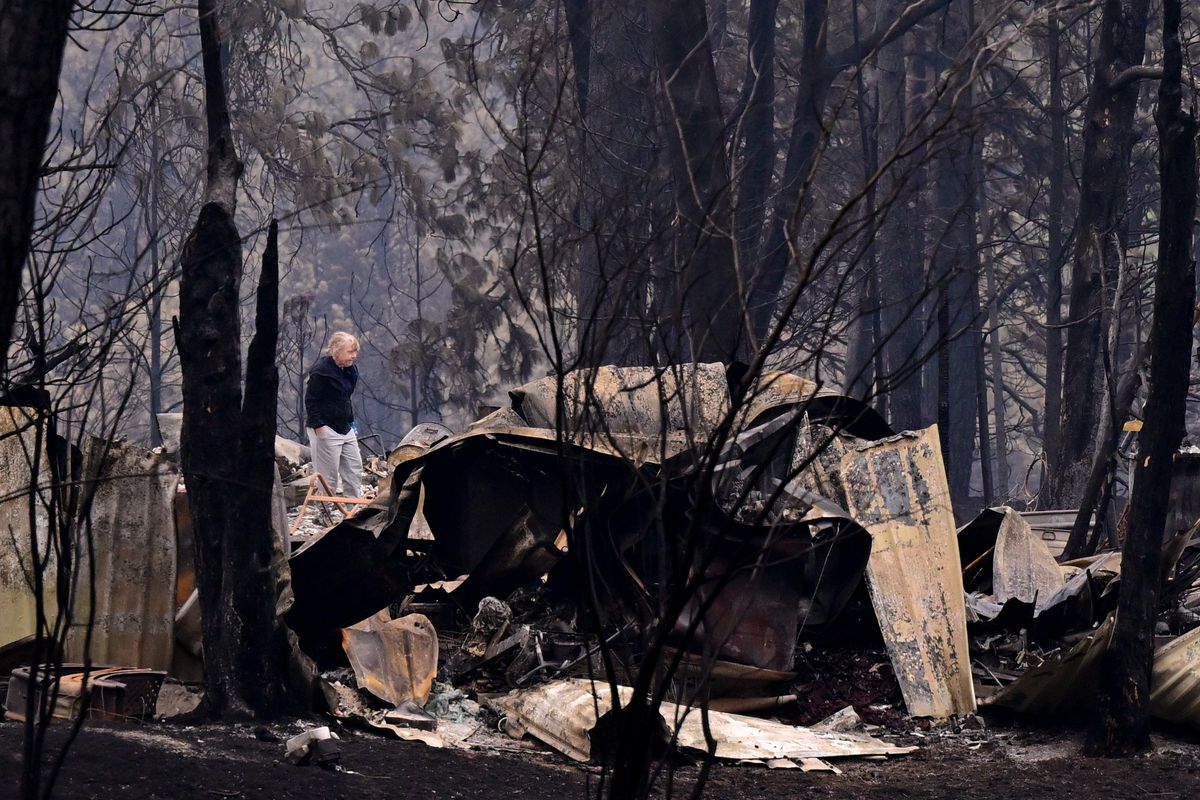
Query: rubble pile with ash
[(786, 568)]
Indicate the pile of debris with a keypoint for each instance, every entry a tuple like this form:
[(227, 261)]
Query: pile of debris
[(704, 541)]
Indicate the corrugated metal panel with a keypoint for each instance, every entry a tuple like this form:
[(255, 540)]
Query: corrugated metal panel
[(1175, 695), (637, 400), (896, 488), (1069, 683), (17, 606), (133, 532), (563, 714)]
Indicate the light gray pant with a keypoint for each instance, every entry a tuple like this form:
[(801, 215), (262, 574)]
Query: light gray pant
[(335, 455)]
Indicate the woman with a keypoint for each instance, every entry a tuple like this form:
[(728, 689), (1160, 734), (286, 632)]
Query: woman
[(329, 415)]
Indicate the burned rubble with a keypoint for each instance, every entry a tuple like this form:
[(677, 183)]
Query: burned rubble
[(757, 564)]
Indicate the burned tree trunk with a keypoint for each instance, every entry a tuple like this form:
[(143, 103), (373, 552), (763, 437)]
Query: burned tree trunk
[(33, 34), (709, 296), (900, 247), (819, 69), (1124, 724), (865, 350), (954, 260), (1108, 141), (756, 129), (803, 147), (617, 212), (228, 446), (1056, 248)]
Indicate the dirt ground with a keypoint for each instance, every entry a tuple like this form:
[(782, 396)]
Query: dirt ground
[(999, 763)]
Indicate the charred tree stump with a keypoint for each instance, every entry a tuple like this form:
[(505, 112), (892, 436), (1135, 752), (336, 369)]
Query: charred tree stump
[(1124, 724)]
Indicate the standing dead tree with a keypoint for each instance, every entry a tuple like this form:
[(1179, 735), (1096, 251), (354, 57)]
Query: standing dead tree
[(710, 296), (1124, 724), (240, 568), (1108, 142), (33, 34)]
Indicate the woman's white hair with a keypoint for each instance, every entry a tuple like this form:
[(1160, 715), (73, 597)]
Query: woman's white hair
[(341, 341)]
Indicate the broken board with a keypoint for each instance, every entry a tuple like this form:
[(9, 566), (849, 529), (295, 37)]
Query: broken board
[(896, 488)]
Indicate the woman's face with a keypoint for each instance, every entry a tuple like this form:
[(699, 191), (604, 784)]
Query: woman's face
[(346, 356)]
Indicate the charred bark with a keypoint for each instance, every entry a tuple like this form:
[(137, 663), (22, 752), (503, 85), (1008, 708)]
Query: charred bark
[(756, 129), (999, 422), (819, 69), (1093, 491), (709, 292), (618, 213), (864, 353), (1056, 241), (1109, 135), (900, 238), (1124, 724), (240, 570), (33, 34), (954, 260), (803, 146)]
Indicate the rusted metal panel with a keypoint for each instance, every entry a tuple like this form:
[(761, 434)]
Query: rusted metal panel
[(753, 618), (393, 659), (133, 559), (109, 694), (896, 488), (753, 612), (17, 602)]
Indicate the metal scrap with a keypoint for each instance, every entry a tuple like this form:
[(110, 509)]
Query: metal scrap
[(393, 659), (132, 558), (1068, 682), (565, 714), (109, 694), (896, 488), (1022, 567), (18, 445)]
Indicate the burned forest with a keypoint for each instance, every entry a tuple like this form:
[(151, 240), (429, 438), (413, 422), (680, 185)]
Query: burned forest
[(550, 398)]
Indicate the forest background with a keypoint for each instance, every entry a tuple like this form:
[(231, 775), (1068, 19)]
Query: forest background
[(919, 175)]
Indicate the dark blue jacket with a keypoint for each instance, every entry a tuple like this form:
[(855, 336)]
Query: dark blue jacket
[(327, 395)]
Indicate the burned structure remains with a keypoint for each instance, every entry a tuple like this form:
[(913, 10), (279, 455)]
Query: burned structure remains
[(621, 531)]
